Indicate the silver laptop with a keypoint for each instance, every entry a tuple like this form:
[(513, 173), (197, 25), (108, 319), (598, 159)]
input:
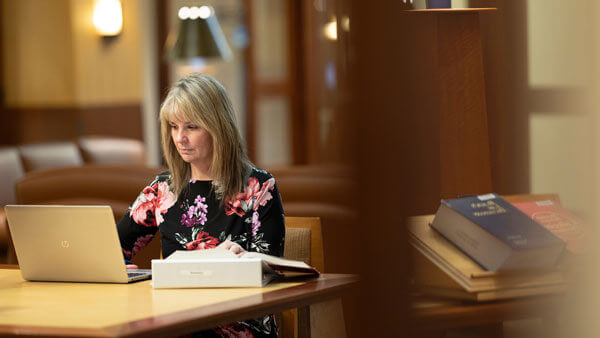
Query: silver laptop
[(69, 244)]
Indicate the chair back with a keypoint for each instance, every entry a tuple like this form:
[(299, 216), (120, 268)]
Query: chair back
[(50, 155), (304, 241), (11, 171), (115, 185), (112, 150)]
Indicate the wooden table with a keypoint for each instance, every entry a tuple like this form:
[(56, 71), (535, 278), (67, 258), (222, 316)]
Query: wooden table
[(129, 310), (431, 314)]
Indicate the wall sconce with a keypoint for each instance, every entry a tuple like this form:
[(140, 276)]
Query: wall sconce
[(108, 17), (199, 36), (330, 30)]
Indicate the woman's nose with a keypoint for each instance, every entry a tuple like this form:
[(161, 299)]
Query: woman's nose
[(179, 136)]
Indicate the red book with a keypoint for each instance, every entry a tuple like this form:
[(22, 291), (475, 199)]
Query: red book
[(562, 223)]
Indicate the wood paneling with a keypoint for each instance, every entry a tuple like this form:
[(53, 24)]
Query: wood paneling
[(448, 116), (249, 82), (504, 39), (296, 80), (381, 105), (125, 121), (464, 141), (43, 124), (30, 125), (163, 66)]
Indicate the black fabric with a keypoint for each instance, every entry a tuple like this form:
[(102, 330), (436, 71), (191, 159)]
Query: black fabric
[(196, 220)]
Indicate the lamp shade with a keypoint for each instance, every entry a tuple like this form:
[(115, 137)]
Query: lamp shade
[(199, 38)]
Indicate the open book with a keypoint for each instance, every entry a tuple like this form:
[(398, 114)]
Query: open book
[(284, 267), (277, 265)]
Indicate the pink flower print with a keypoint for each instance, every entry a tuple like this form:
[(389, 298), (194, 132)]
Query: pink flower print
[(234, 207), (140, 243), (251, 198), (255, 223), (202, 241), (263, 196), (165, 200), (199, 202), (195, 214), (141, 210), (151, 204), (234, 331), (252, 188)]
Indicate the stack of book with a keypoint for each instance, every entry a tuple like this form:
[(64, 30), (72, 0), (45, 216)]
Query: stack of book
[(484, 248)]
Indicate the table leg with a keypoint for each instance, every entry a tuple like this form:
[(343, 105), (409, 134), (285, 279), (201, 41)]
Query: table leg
[(304, 322)]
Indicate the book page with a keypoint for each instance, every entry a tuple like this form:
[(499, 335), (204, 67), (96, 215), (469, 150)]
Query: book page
[(276, 260), (220, 253)]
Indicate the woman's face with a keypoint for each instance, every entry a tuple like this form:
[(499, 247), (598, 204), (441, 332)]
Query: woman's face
[(193, 143)]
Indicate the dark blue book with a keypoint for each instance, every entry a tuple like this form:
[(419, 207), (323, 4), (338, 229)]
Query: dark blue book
[(496, 234)]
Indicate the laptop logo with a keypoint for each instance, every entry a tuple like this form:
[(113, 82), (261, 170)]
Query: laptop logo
[(64, 244)]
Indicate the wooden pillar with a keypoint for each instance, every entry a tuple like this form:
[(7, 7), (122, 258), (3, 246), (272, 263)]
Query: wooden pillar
[(449, 81)]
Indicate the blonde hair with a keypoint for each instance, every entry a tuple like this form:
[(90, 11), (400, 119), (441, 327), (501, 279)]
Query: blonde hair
[(202, 100)]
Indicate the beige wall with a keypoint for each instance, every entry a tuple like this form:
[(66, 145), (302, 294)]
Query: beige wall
[(273, 137), (559, 53), (106, 70), (37, 53), (53, 57)]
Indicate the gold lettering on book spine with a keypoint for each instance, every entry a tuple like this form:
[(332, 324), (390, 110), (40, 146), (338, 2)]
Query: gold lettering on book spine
[(487, 208)]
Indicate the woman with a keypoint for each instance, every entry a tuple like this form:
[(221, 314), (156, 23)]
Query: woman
[(212, 196)]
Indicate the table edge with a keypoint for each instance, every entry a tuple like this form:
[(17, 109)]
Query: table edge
[(326, 287)]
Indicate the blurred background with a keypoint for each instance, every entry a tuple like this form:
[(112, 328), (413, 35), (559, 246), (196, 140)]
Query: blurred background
[(64, 79), (321, 84)]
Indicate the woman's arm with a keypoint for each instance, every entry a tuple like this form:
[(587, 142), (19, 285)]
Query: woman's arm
[(268, 224), (140, 223), (133, 237)]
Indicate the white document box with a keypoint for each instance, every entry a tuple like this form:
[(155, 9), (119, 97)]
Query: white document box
[(211, 268)]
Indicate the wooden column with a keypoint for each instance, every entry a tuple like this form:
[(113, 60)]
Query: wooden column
[(449, 81)]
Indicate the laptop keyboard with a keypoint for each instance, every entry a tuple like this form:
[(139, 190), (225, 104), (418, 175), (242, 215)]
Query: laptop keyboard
[(135, 274)]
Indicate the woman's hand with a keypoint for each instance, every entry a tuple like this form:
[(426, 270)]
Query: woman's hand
[(131, 266), (233, 247)]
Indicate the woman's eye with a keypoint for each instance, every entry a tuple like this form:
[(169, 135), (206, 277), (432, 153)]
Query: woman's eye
[(192, 127), (173, 126)]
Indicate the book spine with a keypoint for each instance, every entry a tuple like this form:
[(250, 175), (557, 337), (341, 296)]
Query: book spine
[(474, 241)]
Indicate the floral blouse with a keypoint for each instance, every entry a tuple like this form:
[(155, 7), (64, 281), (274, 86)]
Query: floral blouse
[(196, 220)]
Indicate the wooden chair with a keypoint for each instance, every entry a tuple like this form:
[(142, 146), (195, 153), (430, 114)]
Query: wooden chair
[(304, 242), (11, 171), (50, 155), (112, 150)]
